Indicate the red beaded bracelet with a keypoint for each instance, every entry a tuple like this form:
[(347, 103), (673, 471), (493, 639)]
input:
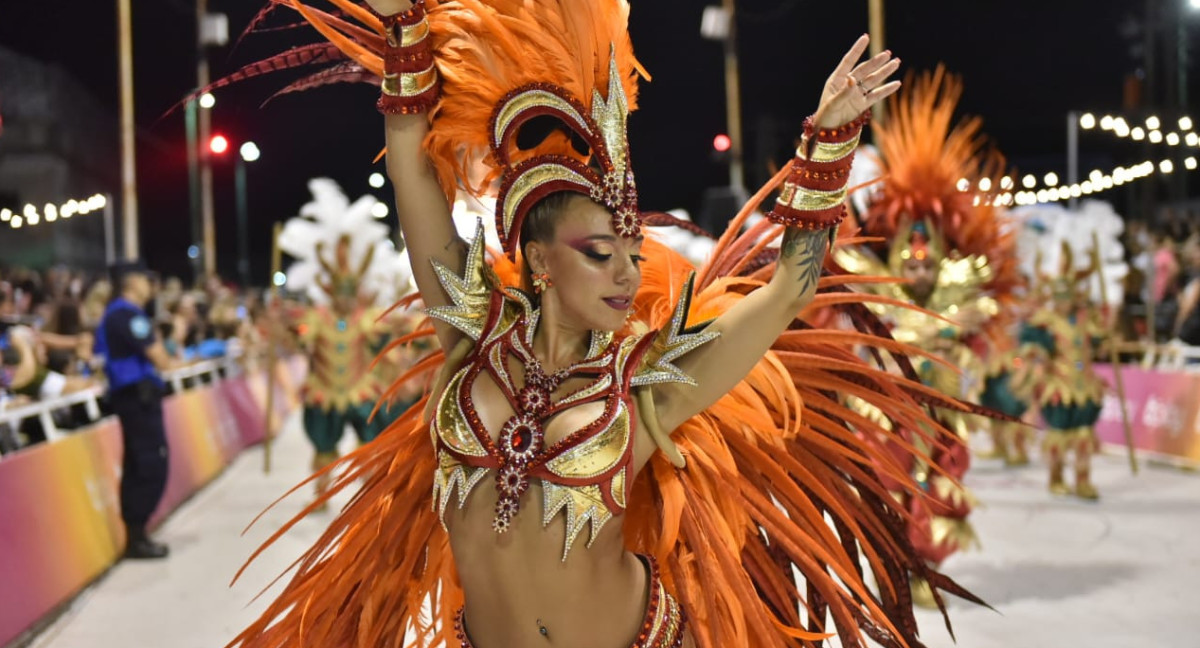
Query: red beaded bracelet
[(818, 177), (823, 219), (843, 133), (410, 83)]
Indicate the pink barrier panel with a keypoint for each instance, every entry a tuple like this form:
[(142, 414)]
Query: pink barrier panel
[(60, 523), (289, 379), (235, 394), (1164, 412), (195, 447)]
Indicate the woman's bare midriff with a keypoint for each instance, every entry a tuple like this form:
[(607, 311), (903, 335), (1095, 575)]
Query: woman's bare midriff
[(596, 598)]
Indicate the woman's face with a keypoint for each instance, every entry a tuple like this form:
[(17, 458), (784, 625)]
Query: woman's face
[(595, 272)]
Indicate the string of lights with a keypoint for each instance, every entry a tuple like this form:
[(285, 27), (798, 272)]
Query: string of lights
[(1150, 130), (1052, 191), (30, 216), (1049, 190)]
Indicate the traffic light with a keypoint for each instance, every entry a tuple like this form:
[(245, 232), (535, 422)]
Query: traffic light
[(218, 145), (722, 149)]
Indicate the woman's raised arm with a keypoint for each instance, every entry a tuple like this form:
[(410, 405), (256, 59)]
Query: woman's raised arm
[(409, 87), (810, 205)]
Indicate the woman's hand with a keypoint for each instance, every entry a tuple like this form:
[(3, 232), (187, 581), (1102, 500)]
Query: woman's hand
[(390, 7), (854, 88)]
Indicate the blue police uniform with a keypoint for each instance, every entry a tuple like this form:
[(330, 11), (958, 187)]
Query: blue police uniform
[(135, 392)]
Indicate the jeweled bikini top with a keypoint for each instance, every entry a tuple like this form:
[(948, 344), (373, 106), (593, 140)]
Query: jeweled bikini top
[(587, 475)]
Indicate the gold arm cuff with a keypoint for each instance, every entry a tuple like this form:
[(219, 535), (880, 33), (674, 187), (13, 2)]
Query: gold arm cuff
[(413, 34), (827, 152), (801, 199), (662, 439), (409, 84)]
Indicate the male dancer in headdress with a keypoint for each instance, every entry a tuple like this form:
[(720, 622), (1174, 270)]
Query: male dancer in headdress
[(946, 246), (341, 340), (1060, 342)]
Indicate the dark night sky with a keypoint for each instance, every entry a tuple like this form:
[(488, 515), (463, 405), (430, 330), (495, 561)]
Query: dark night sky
[(1026, 64)]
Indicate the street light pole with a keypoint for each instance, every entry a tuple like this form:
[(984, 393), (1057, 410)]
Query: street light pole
[(878, 40), (207, 217), (110, 243), (733, 104), (1072, 155), (239, 181), (192, 125), (247, 153), (128, 143)]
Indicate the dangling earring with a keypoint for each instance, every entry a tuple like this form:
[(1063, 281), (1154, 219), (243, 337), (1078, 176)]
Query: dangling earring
[(541, 282)]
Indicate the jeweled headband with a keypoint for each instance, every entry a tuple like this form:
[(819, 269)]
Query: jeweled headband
[(603, 173)]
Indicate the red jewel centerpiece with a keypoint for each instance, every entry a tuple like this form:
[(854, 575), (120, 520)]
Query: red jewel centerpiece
[(522, 439)]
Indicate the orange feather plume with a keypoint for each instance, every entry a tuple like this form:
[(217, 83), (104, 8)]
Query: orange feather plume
[(925, 154), (484, 50)]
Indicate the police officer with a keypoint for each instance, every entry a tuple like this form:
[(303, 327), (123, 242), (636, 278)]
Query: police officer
[(133, 357)]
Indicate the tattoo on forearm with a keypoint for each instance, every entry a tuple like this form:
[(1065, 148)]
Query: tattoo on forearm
[(805, 250)]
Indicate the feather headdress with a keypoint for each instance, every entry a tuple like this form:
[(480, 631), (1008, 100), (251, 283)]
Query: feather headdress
[(934, 170), (535, 96)]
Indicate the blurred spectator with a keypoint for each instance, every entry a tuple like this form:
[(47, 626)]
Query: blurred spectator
[(92, 308), (1187, 322), (48, 321), (1166, 266), (1177, 224), (1164, 287), (187, 327)]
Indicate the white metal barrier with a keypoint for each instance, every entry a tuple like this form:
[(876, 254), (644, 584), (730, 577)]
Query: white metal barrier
[(44, 410), (1179, 357), (178, 378), (1174, 356), (203, 372)]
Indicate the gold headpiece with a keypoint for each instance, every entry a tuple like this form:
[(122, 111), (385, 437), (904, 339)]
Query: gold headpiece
[(607, 179)]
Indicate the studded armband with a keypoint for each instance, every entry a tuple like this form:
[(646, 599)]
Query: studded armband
[(814, 194), (410, 78)]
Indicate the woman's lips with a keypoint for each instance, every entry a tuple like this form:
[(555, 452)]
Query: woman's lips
[(619, 303)]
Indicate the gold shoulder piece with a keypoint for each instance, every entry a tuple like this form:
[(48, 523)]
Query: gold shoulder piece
[(470, 294), (673, 342)]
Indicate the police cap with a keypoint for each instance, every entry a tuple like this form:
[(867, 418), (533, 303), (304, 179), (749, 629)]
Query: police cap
[(118, 271)]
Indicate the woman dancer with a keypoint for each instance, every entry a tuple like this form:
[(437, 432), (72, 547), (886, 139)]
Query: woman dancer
[(598, 482)]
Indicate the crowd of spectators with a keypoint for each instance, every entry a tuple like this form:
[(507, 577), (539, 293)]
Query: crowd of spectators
[(48, 322), (1164, 276)]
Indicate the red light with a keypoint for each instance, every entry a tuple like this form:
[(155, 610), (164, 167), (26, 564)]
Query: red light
[(218, 144), (722, 143)]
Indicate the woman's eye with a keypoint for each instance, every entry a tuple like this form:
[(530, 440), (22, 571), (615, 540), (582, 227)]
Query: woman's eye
[(637, 259), (592, 254)]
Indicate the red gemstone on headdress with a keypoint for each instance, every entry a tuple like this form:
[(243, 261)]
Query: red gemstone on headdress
[(627, 223)]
